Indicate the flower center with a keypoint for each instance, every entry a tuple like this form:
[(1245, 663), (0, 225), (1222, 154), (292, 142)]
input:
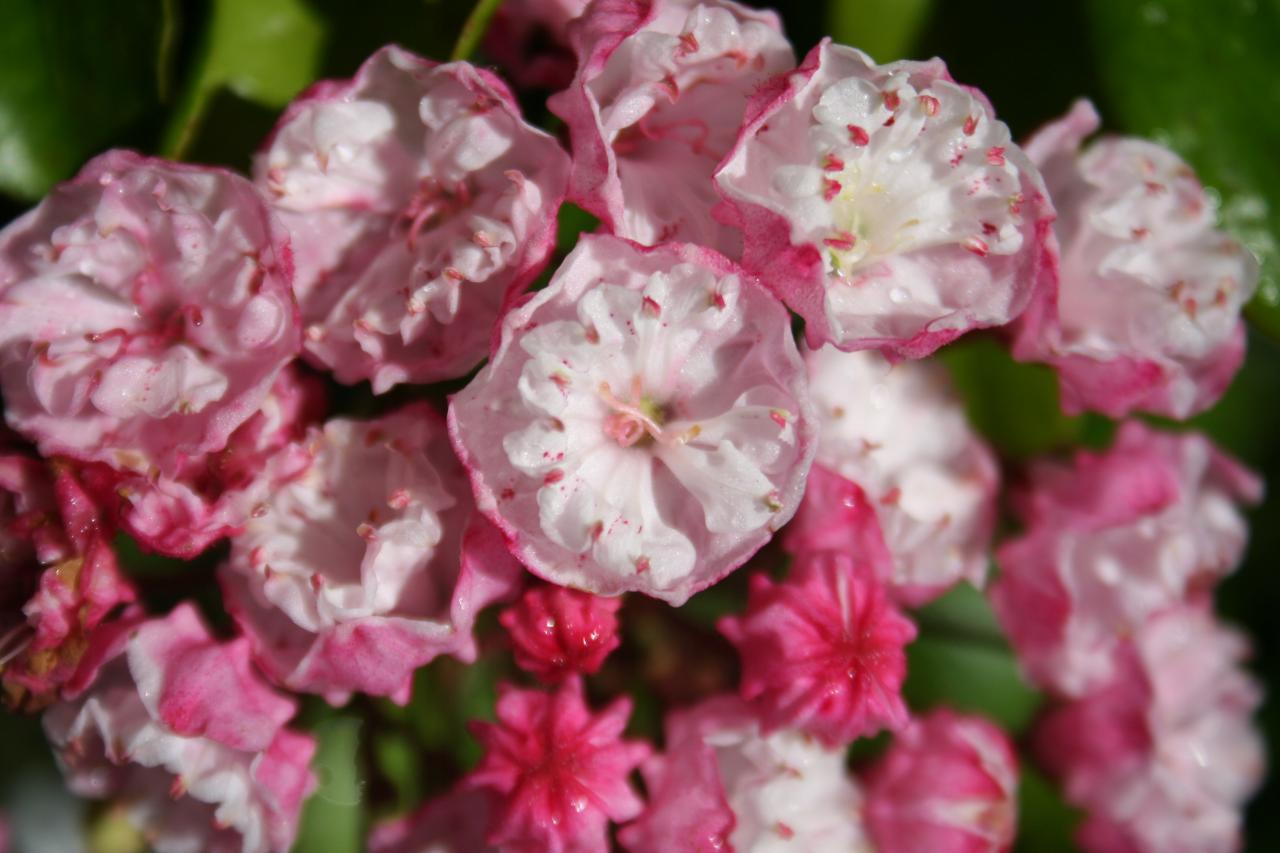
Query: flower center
[(635, 421)]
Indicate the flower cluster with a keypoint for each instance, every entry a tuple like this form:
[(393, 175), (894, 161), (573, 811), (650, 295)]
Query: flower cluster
[(174, 339)]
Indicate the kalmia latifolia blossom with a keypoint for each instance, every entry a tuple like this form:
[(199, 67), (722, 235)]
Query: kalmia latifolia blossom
[(722, 785), (643, 423), (212, 496), (1147, 312), (1112, 538), (886, 204), (656, 103), (419, 202), (559, 770), (370, 563), (948, 784), (823, 651), (556, 631), (59, 579), (145, 310), (899, 433), (182, 730), (1164, 755)]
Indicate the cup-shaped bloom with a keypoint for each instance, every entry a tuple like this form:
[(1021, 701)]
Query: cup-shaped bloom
[(183, 731), (59, 579), (899, 433), (823, 652), (657, 101), (885, 203), (213, 496), (948, 784), (1147, 311), (145, 310), (1110, 539), (558, 770), (1164, 756), (556, 631), (369, 563), (419, 202), (643, 424), (723, 785)]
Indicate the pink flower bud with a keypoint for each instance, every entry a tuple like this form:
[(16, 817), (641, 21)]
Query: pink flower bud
[(823, 651), (885, 203), (1147, 311), (948, 784), (558, 632), (558, 770)]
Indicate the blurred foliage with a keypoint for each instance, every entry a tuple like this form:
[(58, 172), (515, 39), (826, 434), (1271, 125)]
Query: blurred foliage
[(205, 79)]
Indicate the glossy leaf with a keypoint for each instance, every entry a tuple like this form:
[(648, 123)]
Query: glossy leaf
[(76, 77), (1201, 78)]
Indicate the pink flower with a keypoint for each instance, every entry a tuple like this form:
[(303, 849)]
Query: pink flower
[(370, 563), (1147, 310), (456, 822), (836, 515), (145, 310), (823, 651), (722, 785), (560, 771), (557, 632), (58, 578), (529, 41), (212, 496), (900, 433), (181, 729), (886, 204), (1111, 539), (1164, 754), (948, 783), (643, 424), (419, 203), (656, 103)]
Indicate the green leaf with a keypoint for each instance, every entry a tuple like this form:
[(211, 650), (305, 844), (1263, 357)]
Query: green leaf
[(1201, 78), (1046, 823), (262, 52), (474, 29), (76, 77), (333, 818), (886, 29)]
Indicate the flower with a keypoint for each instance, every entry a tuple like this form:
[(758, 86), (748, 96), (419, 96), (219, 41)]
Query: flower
[(529, 41), (370, 563), (182, 729), (885, 204), (557, 632), (145, 310), (643, 424), (560, 771), (212, 496), (1147, 311), (419, 203), (656, 103), (59, 579), (835, 515), (948, 783), (899, 432), (456, 822), (1163, 755), (722, 785), (1111, 539), (823, 651)]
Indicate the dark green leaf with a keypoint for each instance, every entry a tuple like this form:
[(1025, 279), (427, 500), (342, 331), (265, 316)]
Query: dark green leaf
[(1170, 68), (1045, 822), (886, 29), (333, 819), (75, 77)]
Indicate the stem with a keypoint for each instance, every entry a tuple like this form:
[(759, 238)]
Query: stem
[(474, 29)]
